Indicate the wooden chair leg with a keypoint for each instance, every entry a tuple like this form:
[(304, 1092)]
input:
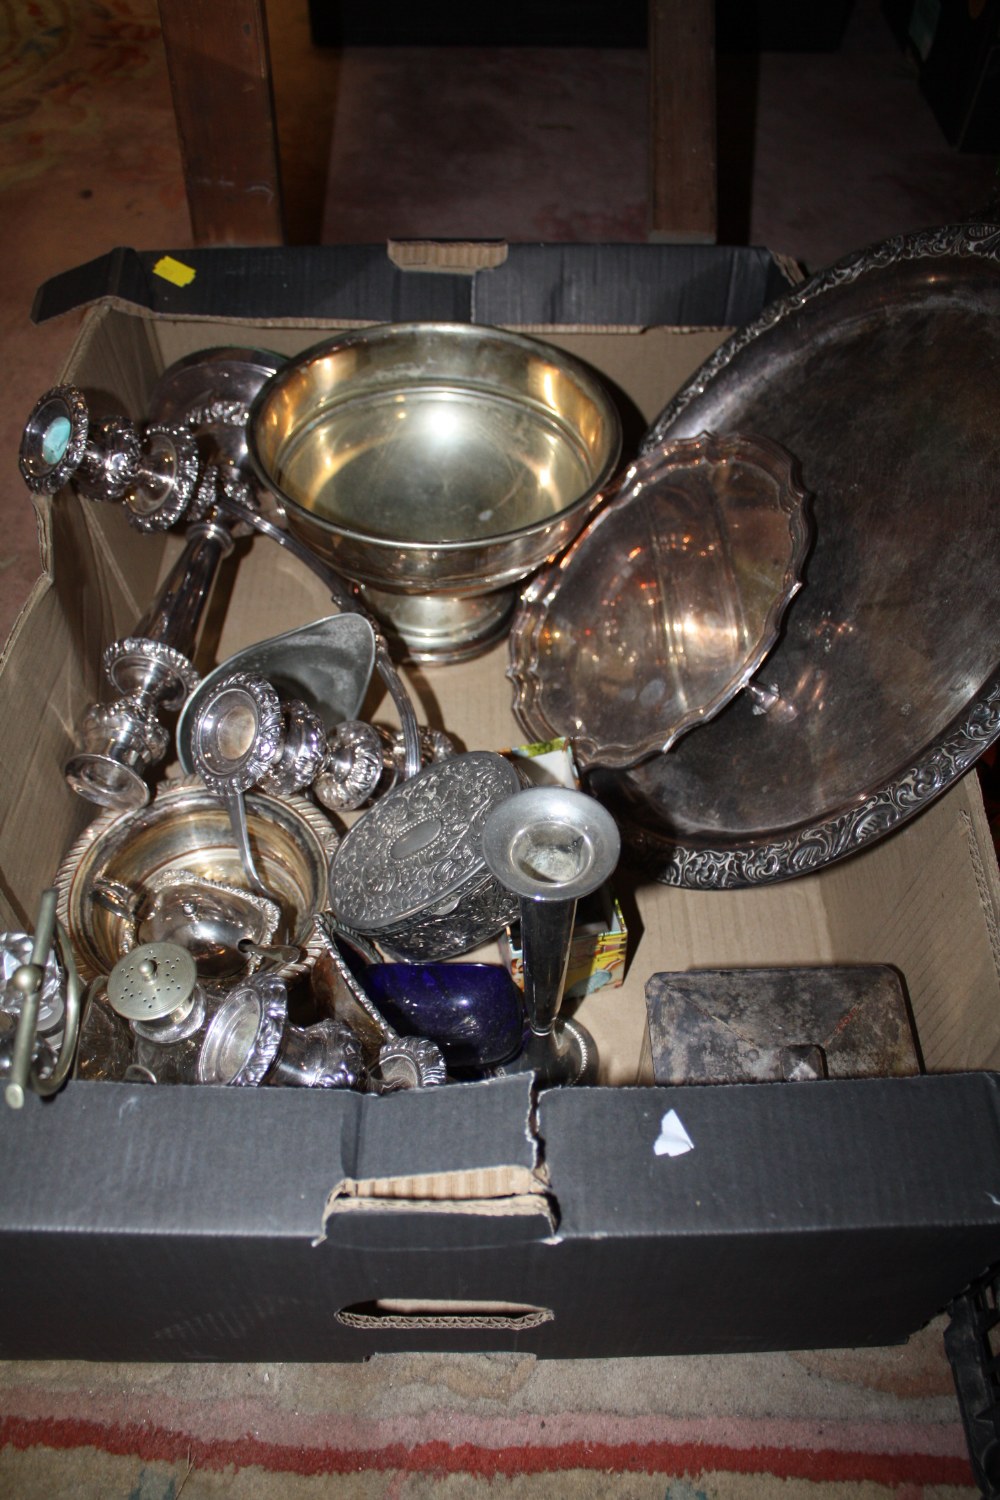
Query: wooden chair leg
[(220, 75), (682, 142)]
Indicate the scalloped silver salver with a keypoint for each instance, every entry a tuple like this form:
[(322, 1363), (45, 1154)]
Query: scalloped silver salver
[(667, 602)]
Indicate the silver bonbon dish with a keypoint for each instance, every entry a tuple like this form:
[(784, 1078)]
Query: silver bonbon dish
[(666, 604)]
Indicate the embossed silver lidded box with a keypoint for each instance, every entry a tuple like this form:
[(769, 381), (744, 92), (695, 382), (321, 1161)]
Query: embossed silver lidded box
[(411, 875)]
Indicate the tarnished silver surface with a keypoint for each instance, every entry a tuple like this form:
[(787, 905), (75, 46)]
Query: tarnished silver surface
[(665, 605), (241, 1043), (367, 760), (111, 462), (120, 741), (42, 1058), (326, 1055), (756, 1025), (227, 930), (117, 744), (445, 461), (248, 1042), (347, 596), (30, 1060), (410, 873), (236, 734), (165, 480), (105, 1049), (882, 376), (54, 442), (140, 665), (409, 1062), (15, 950), (354, 766), (152, 475), (342, 995), (302, 752), (153, 671), (327, 664), (185, 829)]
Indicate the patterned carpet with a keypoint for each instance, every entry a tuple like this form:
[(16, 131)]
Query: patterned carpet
[(736, 1428)]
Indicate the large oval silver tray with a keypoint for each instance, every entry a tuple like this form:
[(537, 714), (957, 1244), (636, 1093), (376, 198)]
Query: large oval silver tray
[(666, 604), (882, 376)]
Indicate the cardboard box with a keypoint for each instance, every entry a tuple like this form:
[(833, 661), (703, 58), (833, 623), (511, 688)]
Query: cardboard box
[(210, 1223)]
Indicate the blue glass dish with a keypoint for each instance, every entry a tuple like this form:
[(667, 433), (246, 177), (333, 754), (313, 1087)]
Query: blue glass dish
[(474, 1012)]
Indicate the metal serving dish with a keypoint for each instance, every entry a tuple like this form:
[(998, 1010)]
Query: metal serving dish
[(185, 829), (666, 603), (882, 376), (437, 465)]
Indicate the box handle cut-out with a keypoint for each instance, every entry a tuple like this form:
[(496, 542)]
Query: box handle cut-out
[(424, 1313)]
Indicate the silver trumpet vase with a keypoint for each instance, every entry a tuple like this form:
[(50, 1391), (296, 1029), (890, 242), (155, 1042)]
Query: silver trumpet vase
[(551, 846)]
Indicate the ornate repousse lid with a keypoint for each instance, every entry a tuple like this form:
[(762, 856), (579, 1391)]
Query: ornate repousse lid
[(419, 847)]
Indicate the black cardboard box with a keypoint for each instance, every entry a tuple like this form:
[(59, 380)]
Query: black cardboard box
[(201, 1223)]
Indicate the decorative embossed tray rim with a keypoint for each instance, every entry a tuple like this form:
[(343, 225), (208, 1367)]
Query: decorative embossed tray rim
[(811, 844)]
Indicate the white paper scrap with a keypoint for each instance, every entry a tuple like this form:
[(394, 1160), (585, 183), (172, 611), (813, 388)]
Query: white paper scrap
[(673, 1139)]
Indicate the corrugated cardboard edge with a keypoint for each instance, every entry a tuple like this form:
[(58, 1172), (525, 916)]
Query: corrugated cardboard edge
[(451, 257), (318, 324), (987, 874), (515, 1189), (113, 303), (491, 1192), (791, 268), (399, 1313)]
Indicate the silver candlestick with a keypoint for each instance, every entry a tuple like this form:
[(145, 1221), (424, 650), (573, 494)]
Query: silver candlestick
[(153, 475), (155, 478)]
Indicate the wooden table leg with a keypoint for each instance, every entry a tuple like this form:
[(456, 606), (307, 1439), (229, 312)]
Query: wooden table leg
[(220, 76), (682, 142)]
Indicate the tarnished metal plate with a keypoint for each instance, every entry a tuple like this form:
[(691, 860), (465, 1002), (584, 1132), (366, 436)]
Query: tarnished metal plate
[(882, 377), (772, 1025)]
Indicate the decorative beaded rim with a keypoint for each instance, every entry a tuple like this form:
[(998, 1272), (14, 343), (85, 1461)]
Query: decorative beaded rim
[(241, 771), (53, 474)]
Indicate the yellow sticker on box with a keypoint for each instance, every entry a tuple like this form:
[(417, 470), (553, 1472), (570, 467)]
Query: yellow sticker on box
[(174, 271)]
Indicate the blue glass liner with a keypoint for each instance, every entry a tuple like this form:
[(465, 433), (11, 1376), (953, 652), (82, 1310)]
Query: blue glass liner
[(473, 1012)]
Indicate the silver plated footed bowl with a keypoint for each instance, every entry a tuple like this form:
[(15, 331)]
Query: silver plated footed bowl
[(437, 465)]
